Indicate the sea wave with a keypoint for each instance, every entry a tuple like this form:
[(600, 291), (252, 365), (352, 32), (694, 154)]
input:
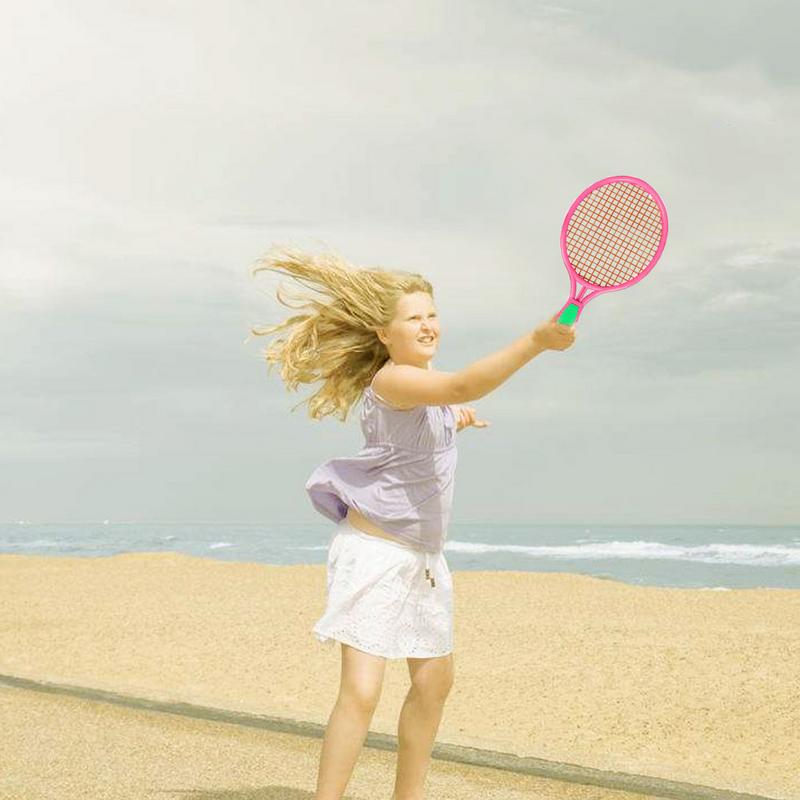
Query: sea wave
[(745, 554)]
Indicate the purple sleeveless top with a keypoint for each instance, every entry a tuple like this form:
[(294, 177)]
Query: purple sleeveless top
[(402, 479)]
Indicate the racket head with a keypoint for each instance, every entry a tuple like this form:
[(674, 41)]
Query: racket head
[(613, 234)]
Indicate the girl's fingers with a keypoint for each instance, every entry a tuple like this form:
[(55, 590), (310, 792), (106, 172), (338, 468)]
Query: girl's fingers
[(467, 418)]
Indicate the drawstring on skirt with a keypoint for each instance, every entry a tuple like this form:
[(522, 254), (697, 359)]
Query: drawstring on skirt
[(347, 525), (428, 576)]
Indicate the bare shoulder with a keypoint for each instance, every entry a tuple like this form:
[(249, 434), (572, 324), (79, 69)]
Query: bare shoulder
[(378, 385), (405, 386)]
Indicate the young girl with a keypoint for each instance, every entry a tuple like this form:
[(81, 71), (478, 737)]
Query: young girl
[(389, 588)]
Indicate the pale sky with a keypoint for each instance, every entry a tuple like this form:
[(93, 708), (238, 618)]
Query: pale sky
[(151, 151)]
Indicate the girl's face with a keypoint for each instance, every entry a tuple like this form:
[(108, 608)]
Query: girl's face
[(415, 320)]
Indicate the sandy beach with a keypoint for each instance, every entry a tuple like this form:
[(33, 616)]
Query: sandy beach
[(69, 747), (685, 684)]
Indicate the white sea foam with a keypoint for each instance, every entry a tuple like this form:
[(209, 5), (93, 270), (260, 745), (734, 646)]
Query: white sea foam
[(713, 588), (34, 543), (745, 554)]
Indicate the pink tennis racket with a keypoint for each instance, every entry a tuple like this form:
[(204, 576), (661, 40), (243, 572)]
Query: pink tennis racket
[(612, 236)]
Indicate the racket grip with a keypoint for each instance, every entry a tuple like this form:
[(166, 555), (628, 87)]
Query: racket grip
[(568, 314)]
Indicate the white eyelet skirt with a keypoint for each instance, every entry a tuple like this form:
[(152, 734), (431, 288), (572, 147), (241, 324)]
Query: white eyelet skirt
[(379, 599)]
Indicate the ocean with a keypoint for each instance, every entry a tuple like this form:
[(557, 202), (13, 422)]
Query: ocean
[(703, 556)]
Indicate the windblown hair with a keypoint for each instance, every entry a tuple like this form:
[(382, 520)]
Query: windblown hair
[(335, 340)]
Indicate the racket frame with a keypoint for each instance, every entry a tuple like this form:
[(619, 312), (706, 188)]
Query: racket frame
[(571, 310)]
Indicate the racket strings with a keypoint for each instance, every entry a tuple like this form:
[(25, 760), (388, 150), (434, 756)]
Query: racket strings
[(614, 234)]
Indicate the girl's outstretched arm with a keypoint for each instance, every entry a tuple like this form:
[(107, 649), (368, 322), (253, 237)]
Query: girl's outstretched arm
[(406, 385)]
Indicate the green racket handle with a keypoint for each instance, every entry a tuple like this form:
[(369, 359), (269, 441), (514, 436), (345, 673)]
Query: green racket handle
[(568, 315)]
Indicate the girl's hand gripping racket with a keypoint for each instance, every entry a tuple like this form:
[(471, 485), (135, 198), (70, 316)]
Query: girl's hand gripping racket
[(612, 236)]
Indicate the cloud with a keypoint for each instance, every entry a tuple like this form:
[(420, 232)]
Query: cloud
[(695, 37), (731, 309), (151, 153)]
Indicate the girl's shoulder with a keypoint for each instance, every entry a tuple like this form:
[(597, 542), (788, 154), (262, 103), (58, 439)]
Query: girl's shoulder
[(374, 388)]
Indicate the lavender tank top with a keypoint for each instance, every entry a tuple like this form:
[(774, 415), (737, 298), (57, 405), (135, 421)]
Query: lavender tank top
[(403, 477)]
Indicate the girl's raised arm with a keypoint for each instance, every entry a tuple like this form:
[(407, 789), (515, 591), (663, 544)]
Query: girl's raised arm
[(406, 385)]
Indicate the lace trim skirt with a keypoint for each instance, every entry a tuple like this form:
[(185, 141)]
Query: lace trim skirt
[(386, 598)]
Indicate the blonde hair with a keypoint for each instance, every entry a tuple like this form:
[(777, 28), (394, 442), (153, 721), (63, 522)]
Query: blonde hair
[(335, 340)]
